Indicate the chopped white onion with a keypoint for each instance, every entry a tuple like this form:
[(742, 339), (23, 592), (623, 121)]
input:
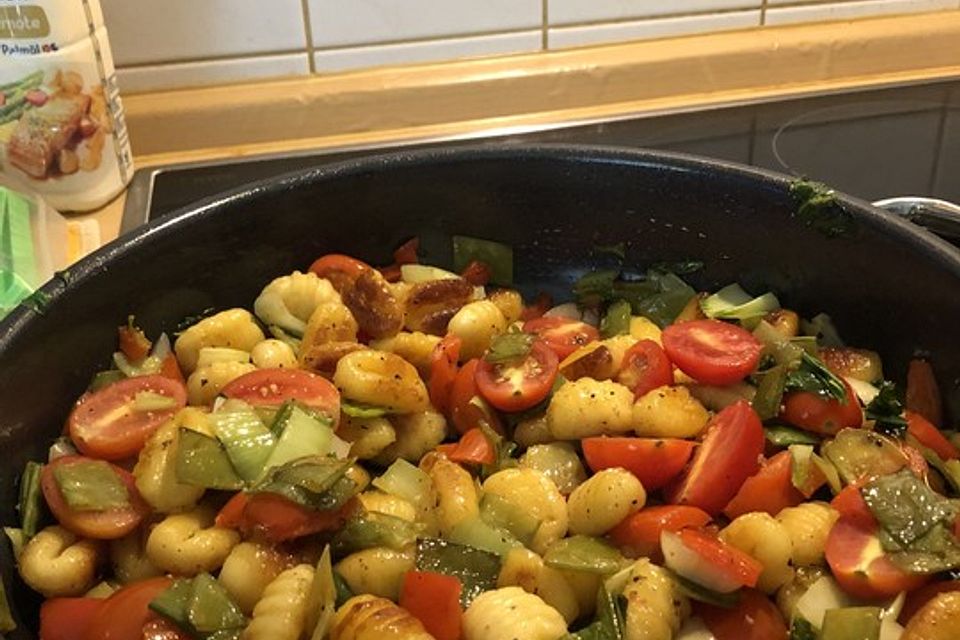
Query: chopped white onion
[(565, 310), (865, 391)]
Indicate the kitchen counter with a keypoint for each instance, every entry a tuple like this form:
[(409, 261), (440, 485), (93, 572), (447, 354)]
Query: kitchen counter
[(459, 98)]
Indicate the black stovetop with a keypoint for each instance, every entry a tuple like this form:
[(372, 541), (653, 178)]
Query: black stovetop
[(871, 144)]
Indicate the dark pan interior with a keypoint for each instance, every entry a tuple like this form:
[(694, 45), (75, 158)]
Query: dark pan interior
[(886, 284)]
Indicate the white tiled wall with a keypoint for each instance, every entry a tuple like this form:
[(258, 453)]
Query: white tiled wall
[(162, 44)]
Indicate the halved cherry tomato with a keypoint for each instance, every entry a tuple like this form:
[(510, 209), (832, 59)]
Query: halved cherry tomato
[(102, 525), (124, 614), (930, 437), (541, 304), (849, 503), (273, 387), (770, 490), (754, 617), (923, 394), (860, 566), (133, 342), (107, 424), (342, 271), (730, 453), (467, 408), (813, 412), (712, 351), (443, 371), (654, 461), (276, 518), (472, 447), (477, 273), (521, 385), (562, 335), (434, 599), (705, 559), (916, 599), (170, 368), (640, 532), (645, 367), (407, 252), (67, 618)]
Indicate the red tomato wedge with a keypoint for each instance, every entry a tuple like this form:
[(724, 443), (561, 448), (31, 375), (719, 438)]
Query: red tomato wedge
[(467, 410), (730, 453), (276, 518), (124, 614), (562, 335), (434, 599), (522, 385), (645, 367), (477, 273), (443, 371), (541, 304), (67, 618), (850, 504), (769, 490), (107, 423), (655, 462), (712, 351), (640, 532), (754, 617), (101, 525), (930, 437), (342, 271), (472, 447), (813, 412), (133, 343), (860, 566), (703, 558), (273, 387)]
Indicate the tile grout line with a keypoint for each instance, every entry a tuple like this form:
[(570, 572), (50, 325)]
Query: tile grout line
[(308, 33), (763, 13), (545, 25)]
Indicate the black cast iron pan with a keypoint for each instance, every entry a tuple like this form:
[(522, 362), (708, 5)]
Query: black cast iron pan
[(886, 283)]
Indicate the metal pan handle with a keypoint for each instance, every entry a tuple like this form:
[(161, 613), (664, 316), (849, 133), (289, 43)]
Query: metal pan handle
[(937, 216)]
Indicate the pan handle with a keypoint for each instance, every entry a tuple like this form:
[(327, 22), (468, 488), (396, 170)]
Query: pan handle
[(937, 216)]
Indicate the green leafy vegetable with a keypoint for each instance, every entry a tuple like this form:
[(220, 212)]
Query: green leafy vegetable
[(91, 485), (503, 451), (300, 434), (247, 441), (476, 569), (819, 208), (618, 249), (172, 603), (733, 303), (610, 622), (781, 436), (374, 530), (583, 553), (770, 392), (105, 379), (777, 347), (800, 629), (202, 461), (510, 347), (858, 452), (201, 607), (362, 410), (496, 255), (316, 482), (660, 296), (813, 376), (616, 321), (665, 305), (31, 499), (887, 411)]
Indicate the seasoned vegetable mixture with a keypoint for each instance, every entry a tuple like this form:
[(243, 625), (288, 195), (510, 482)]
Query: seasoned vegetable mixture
[(406, 452)]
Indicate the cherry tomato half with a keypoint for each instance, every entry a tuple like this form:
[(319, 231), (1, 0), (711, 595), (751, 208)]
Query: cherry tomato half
[(67, 618), (770, 489), (472, 448), (107, 423), (712, 351), (273, 387), (124, 614), (640, 531), (562, 335), (276, 519), (101, 525), (754, 617), (730, 453), (443, 371), (705, 559), (860, 566), (467, 409), (654, 461), (519, 386), (645, 367), (813, 412)]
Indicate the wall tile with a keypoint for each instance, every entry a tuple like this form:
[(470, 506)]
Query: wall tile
[(846, 10), (210, 72), (561, 37), (562, 12), (337, 23), (148, 31), (333, 60)]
